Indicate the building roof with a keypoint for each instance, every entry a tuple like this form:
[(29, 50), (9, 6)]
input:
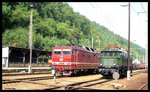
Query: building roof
[(3, 46)]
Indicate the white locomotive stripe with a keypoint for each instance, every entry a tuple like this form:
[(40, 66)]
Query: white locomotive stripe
[(69, 63)]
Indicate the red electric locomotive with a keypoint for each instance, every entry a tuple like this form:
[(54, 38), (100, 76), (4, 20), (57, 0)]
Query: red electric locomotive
[(73, 59)]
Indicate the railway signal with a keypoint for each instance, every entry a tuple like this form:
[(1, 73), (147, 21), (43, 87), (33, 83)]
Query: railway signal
[(54, 74)]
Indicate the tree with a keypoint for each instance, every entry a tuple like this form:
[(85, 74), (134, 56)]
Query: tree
[(6, 15), (55, 24), (16, 37)]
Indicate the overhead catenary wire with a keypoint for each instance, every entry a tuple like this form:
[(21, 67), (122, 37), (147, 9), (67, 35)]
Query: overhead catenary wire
[(139, 18), (107, 19), (95, 7), (142, 7), (103, 16)]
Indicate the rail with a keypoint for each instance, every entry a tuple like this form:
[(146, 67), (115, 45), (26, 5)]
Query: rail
[(143, 86)]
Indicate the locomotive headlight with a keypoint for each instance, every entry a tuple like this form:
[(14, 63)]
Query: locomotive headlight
[(114, 64), (101, 64)]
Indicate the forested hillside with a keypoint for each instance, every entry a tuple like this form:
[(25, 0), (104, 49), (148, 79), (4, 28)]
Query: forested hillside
[(55, 24)]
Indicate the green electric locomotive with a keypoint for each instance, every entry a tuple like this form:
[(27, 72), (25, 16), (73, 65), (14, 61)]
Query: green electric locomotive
[(114, 62)]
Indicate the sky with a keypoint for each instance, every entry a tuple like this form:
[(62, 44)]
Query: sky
[(115, 17)]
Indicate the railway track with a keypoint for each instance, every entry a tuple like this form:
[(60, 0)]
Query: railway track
[(36, 73), (80, 85), (86, 84), (144, 87), (6, 81), (18, 74), (74, 86)]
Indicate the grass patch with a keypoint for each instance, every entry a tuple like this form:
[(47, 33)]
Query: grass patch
[(136, 78), (110, 85), (25, 88), (48, 85)]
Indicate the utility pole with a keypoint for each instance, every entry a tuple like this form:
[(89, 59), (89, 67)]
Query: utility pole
[(99, 43), (137, 55), (92, 42), (30, 41), (128, 71), (143, 59)]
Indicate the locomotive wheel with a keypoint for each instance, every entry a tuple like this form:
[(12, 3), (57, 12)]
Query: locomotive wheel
[(116, 75)]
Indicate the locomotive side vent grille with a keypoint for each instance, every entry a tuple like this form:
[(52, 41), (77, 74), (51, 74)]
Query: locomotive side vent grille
[(108, 62)]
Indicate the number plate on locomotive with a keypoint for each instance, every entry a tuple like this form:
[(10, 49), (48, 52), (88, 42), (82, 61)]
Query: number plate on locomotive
[(60, 63)]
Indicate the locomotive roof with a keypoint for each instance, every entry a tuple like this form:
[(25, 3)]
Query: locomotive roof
[(114, 48), (83, 48), (119, 50)]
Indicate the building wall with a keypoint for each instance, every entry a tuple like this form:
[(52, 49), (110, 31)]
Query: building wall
[(5, 56), (15, 55)]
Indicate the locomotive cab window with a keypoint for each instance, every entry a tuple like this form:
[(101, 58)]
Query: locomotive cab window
[(110, 53), (66, 51), (57, 51), (105, 53), (116, 53)]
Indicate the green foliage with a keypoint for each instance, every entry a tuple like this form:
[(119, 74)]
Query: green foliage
[(16, 37), (20, 17), (63, 30), (55, 24), (42, 58), (45, 28), (6, 14)]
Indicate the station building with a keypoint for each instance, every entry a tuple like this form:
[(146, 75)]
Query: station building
[(20, 57)]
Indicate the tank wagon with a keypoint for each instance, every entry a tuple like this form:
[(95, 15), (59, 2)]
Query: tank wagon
[(136, 64), (114, 59), (142, 65), (74, 59)]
